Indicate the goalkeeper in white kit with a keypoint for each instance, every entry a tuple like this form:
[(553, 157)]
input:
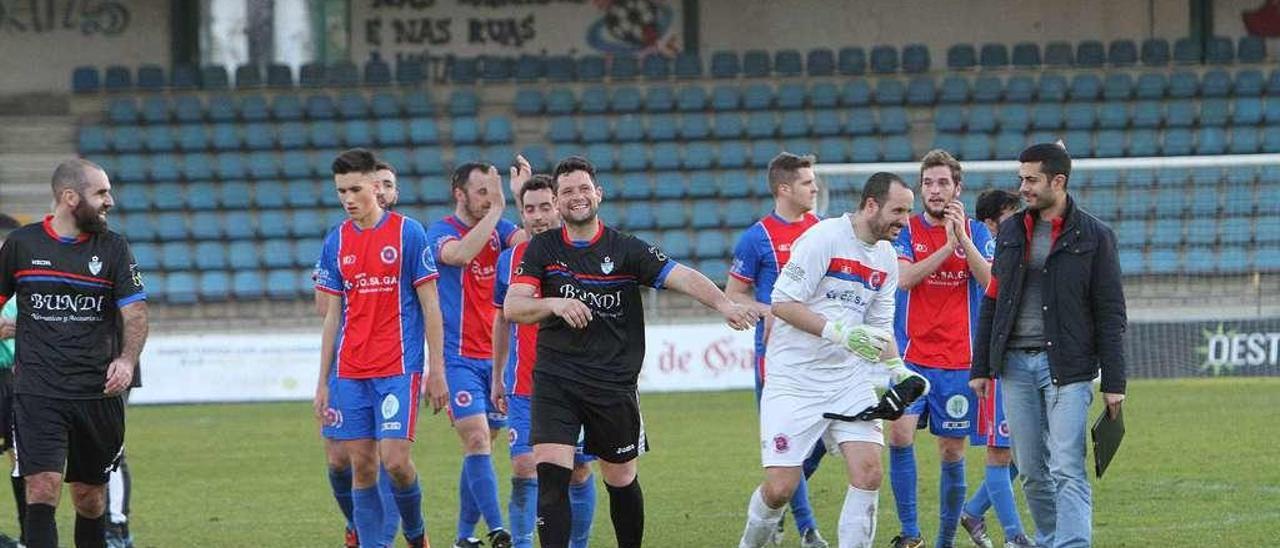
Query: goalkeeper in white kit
[(831, 344)]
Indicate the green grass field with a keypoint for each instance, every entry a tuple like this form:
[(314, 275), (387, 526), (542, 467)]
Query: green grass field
[(1198, 468)]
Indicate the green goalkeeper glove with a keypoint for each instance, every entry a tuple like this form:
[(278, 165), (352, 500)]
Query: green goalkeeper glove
[(865, 341), (898, 372)]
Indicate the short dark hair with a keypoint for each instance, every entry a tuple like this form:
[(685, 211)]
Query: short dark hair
[(570, 165), (1054, 160), (877, 188), (783, 168), (355, 160), (462, 173), (993, 202), (541, 181), (73, 174), (383, 164)]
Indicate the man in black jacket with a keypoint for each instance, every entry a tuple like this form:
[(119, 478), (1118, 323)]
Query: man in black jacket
[(1053, 315)]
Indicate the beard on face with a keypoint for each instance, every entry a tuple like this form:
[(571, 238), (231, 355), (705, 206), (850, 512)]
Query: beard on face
[(90, 219), (475, 208), (882, 227), (587, 218)]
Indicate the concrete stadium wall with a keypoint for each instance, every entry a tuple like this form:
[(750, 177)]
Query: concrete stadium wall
[(805, 24), (41, 41)]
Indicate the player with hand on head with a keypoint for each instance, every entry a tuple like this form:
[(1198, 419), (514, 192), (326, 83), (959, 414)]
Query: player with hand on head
[(944, 261), (993, 207), (378, 275), (581, 284), (514, 354), (757, 259), (68, 407), (831, 344), (339, 462), (467, 244)]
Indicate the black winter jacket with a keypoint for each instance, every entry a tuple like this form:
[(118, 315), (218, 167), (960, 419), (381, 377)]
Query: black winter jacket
[(1083, 302)]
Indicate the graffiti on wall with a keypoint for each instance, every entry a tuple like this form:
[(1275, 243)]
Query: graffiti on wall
[(87, 17)]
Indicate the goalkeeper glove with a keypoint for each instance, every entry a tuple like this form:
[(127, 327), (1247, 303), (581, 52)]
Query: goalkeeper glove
[(863, 340), (907, 387)]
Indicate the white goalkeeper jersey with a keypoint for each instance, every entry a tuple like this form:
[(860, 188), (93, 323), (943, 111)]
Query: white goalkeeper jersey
[(841, 278)]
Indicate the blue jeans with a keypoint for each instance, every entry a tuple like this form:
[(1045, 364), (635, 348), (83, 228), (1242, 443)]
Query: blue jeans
[(1047, 425)]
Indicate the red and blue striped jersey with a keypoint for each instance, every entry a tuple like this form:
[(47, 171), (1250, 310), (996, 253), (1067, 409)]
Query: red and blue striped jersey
[(761, 253), (376, 272), (523, 349), (466, 294), (936, 320)]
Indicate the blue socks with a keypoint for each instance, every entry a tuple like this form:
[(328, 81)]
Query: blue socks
[(523, 510), (468, 513), (340, 481), (999, 486), (478, 469), (951, 488), (582, 500), (801, 509), (390, 514), (902, 477), (409, 503), (368, 512)]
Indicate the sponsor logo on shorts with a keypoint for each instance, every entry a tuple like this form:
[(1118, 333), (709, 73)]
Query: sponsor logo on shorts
[(390, 426), (955, 425), (496, 417), (957, 406), (390, 406), (626, 449), (332, 418), (1003, 429), (462, 399), (781, 444)]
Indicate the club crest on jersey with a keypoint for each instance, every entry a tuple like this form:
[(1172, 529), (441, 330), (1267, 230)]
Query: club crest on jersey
[(606, 265), (781, 444), (389, 254), (95, 266), (462, 399), (990, 248), (877, 278)]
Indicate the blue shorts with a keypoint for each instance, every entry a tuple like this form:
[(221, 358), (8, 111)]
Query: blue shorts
[(951, 408), (992, 429), (469, 381), (379, 408), (518, 425)]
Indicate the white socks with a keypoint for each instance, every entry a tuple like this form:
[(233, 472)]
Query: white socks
[(858, 518), (762, 521)]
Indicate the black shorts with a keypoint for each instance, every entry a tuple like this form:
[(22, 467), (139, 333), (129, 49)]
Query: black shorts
[(609, 421), (84, 437), (6, 409)]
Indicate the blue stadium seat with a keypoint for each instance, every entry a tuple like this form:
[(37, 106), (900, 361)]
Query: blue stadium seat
[(1236, 230), (949, 119), (1147, 114), (85, 79), (1009, 144), (827, 123), (222, 108), (1122, 53), (1143, 143), (655, 67), (661, 127), (1177, 142), (280, 76), (1085, 87), (528, 102), (915, 58), (1113, 115), (633, 157), (1090, 54), (151, 78), (122, 110), (1251, 49), (761, 125), (320, 107), (659, 99), (1186, 51), (669, 214), (756, 64), (214, 286), (639, 216), (1059, 55), (852, 61), (763, 151), (1249, 83), (1216, 83), (1151, 85), (727, 125), (897, 148), (269, 194), (176, 256), (291, 135), (562, 129), (955, 90), (688, 66), (498, 129), (975, 146), (247, 284), (732, 154), (793, 124), (1110, 144), (698, 155), (1183, 84), (1155, 52), (691, 98), (201, 196), (702, 184), (179, 288), (861, 121), (229, 165), (463, 102), (740, 213), (356, 133), (626, 99), (628, 128), (286, 108), (223, 137), (820, 62), (890, 91), (423, 131), (1026, 55), (1244, 140), (712, 244), (1215, 112), (962, 57), (306, 223), (725, 97), (833, 150), (594, 100), (855, 93), (621, 67), (1052, 87), (993, 56), (1080, 143), (595, 129), (127, 139), (323, 134), (921, 91), (788, 63), (1019, 89), (884, 59), (234, 195), (757, 97), (143, 227), (1180, 113), (1046, 116), (865, 150), (117, 78), (352, 105), (1081, 115), (981, 119), (389, 132), (1118, 86)]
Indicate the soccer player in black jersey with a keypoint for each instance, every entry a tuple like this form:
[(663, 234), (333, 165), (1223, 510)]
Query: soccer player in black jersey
[(82, 322), (581, 284)]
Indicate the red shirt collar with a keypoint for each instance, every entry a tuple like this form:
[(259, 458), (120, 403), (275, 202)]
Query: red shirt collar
[(48, 229), (564, 235)]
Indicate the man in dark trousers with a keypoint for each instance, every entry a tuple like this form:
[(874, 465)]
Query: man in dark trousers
[(1053, 315), (81, 325)]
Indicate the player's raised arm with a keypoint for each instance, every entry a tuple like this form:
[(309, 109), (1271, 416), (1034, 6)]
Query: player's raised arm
[(459, 252), (694, 284)]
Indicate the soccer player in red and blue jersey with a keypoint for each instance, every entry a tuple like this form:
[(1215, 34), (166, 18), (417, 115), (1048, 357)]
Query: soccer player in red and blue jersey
[(761, 253), (514, 353), (379, 276), (467, 245), (945, 264)]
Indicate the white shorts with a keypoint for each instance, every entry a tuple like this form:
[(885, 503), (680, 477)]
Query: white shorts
[(791, 422)]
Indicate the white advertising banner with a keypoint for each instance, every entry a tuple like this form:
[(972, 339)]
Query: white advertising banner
[(283, 366)]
